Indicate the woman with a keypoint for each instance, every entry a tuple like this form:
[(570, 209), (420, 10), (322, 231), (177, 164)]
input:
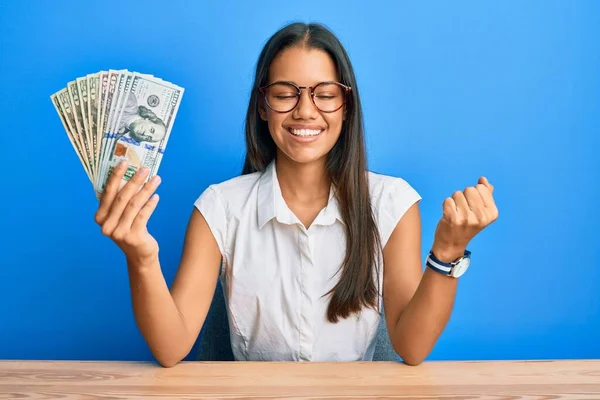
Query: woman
[(313, 245)]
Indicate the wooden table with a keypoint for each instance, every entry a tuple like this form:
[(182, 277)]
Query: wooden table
[(273, 380)]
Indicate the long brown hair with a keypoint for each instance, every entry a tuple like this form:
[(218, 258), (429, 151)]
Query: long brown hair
[(346, 165)]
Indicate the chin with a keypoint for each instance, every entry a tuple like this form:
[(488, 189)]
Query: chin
[(303, 157)]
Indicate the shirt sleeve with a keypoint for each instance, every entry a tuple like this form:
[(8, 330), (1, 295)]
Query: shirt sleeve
[(210, 205), (399, 198)]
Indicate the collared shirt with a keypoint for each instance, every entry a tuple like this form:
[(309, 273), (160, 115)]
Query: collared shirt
[(275, 272)]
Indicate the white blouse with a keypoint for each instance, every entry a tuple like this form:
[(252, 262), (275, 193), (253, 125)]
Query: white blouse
[(275, 271)]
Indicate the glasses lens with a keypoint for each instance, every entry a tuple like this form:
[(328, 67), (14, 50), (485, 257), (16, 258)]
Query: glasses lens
[(329, 96), (282, 97)]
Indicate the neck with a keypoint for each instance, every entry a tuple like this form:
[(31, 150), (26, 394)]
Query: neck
[(303, 183)]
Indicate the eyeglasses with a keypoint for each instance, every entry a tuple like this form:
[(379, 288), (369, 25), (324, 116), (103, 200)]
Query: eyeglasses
[(284, 96)]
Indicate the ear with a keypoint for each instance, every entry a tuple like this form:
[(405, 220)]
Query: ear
[(262, 111)]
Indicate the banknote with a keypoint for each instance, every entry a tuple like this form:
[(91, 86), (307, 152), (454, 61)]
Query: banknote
[(113, 80), (82, 89), (103, 82), (94, 98), (115, 115), (143, 126), (68, 113), (74, 142), (75, 98)]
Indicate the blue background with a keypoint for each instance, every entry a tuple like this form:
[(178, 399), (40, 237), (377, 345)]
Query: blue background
[(451, 91)]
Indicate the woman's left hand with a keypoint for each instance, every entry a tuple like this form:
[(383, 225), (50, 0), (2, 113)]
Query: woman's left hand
[(465, 214)]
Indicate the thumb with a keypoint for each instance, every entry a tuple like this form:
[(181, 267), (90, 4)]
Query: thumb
[(483, 180)]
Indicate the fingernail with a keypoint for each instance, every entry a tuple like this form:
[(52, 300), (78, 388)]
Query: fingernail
[(144, 170), (122, 164), (155, 179)]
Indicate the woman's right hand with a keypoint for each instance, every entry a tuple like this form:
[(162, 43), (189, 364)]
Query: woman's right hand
[(123, 213)]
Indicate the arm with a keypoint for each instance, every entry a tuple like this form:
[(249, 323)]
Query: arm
[(169, 320), (418, 304)]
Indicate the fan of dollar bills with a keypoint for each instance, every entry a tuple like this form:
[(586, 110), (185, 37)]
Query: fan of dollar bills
[(117, 115)]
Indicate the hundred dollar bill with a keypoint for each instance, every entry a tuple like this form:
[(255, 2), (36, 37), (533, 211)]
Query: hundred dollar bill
[(69, 113), (103, 82), (66, 124), (111, 88), (78, 118), (124, 88), (143, 127), (82, 88), (93, 103), (116, 102)]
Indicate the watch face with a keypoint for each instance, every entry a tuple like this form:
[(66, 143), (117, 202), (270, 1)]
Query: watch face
[(460, 268)]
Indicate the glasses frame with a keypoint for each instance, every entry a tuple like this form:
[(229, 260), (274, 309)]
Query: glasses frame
[(311, 89)]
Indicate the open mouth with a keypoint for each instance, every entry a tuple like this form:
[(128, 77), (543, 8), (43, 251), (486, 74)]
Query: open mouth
[(305, 132)]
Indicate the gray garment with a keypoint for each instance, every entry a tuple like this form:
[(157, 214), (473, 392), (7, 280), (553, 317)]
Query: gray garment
[(214, 344)]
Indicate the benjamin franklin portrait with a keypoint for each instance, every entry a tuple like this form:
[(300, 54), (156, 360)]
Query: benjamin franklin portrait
[(140, 123)]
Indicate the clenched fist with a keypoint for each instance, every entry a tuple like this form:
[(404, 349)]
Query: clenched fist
[(465, 214), (123, 213)]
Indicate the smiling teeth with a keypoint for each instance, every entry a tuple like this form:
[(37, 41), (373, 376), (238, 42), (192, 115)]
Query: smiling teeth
[(305, 132)]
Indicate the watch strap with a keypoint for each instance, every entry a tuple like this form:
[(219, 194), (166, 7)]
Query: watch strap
[(443, 267)]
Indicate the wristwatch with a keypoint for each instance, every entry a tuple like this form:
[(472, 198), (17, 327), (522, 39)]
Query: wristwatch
[(454, 269)]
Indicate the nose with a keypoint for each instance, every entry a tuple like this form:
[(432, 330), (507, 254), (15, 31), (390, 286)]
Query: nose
[(305, 108)]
